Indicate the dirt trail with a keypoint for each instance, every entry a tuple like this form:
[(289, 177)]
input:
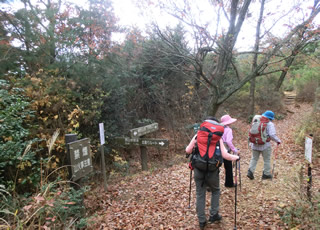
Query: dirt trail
[(259, 199), (160, 199)]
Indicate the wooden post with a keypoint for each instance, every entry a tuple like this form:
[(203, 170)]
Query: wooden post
[(103, 163), (103, 168), (309, 182), (144, 158), (68, 139)]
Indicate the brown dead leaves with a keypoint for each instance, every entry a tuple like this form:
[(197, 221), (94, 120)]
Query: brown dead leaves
[(160, 199)]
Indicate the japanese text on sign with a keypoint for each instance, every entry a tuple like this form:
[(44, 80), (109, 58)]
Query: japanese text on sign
[(80, 158)]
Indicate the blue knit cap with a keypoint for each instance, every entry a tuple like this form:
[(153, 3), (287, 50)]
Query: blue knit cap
[(268, 114)]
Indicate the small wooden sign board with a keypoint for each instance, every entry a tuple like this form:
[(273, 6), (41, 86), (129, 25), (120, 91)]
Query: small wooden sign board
[(81, 163), (137, 139), (141, 131), (126, 141)]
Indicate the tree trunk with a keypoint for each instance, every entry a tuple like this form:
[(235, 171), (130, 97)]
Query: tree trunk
[(254, 61), (287, 65), (251, 110), (51, 31), (214, 106)]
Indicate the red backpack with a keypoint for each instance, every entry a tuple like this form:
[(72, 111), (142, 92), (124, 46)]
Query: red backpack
[(258, 131), (207, 155)]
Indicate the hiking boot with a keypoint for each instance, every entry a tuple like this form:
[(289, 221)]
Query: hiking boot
[(214, 218), (230, 186), (202, 225), (266, 177), (250, 175)]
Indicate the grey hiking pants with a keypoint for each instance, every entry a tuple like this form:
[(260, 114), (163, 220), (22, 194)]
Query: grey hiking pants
[(204, 180), (266, 154)]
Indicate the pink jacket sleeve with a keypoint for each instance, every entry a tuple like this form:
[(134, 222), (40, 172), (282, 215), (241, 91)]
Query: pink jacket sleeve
[(225, 153), (190, 146), (228, 137)]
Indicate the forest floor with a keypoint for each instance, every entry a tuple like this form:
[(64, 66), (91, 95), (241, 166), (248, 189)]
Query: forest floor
[(159, 199)]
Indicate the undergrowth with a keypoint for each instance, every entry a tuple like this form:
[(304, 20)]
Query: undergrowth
[(304, 210)]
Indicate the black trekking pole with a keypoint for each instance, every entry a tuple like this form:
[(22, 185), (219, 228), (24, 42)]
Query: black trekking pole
[(239, 176), (190, 188), (239, 172), (274, 161), (235, 197)]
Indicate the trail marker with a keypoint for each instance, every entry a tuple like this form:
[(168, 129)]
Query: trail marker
[(308, 155), (137, 138), (141, 131), (126, 141), (103, 164), (81, 163)]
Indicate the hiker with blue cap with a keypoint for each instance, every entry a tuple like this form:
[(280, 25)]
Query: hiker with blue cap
[(261, 133)]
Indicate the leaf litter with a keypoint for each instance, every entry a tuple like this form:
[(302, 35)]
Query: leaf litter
[(160, 199)]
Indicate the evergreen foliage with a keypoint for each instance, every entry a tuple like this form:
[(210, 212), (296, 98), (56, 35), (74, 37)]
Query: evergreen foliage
[(19, 167)]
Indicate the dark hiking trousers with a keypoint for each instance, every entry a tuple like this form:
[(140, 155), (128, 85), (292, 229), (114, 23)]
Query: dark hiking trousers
[(204, 180), (228, 173)]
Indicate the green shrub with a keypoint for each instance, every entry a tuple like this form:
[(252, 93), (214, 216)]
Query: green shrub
[(266, 97), (309, 125), (19, 169), (306, 82)]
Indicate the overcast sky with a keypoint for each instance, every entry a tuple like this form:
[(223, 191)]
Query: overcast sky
[(130, 15)]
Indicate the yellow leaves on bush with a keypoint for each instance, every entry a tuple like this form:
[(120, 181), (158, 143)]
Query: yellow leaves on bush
[(54, 165), (73, 118), (23, 165), (35, 80), (119, 160), (7, 138), (76, 125)]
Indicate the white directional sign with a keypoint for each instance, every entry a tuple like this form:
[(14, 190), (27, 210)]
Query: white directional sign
[(138, 132), (308, 149), (101, 129), (142, 141), (154, 142)]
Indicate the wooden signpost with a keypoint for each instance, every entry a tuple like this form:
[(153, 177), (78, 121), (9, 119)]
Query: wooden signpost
[(80, 159), (79, 162), (137, 139), (103, 164), (126, 141), (308, 156), (141, 131)]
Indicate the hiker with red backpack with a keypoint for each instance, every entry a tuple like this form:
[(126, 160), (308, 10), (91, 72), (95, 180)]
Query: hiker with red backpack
[(227, 138), (261, 133), (207, 150)]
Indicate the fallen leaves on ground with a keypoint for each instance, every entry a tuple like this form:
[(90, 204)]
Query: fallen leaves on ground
[(160, 199)]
